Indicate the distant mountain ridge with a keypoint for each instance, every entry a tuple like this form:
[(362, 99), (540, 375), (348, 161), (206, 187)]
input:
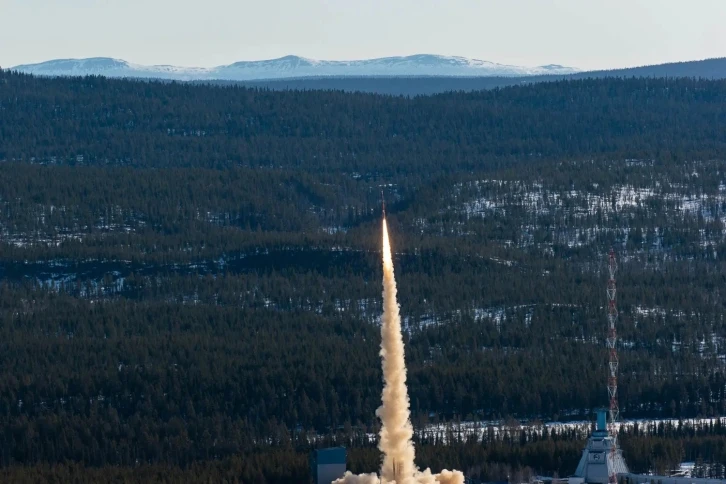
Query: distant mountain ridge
[(291, 66), (426, 85)]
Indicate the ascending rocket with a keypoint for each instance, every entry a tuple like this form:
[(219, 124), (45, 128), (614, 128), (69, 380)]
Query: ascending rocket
[(383, 204)]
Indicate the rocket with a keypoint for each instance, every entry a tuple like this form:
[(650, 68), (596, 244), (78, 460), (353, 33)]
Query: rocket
[(383, 204)]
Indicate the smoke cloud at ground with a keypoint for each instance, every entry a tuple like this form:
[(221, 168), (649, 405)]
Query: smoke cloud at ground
[(396, 430)]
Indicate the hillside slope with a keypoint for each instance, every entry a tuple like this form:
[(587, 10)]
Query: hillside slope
[(100, 121)]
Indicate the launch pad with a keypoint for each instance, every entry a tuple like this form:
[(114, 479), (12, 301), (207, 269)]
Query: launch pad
[(601, 457)]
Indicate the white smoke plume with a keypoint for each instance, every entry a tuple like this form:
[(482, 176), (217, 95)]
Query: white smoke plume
[(350, 478), (425, 477), (396, 430)]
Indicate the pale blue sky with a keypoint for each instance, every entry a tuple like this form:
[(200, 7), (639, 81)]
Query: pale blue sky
[(582, 33)]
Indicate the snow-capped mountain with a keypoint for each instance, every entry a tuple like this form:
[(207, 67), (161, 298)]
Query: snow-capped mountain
[(292, 67)]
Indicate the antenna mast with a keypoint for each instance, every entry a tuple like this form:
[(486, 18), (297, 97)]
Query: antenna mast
[(613, 360)]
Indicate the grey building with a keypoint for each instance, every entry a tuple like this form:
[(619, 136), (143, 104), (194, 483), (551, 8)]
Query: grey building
[(327, 465)]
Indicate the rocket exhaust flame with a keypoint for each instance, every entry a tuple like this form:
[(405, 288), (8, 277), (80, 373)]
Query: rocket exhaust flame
[(396, 430)]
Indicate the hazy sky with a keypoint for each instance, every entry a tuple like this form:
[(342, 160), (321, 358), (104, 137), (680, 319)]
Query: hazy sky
[(582, 33)]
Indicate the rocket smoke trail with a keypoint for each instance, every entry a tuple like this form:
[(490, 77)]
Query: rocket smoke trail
[(396, 430)]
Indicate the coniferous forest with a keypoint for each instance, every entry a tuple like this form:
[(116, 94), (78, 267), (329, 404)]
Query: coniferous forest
[(190, 280)]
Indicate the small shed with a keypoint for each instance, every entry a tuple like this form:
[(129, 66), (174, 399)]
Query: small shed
[(326, 465)]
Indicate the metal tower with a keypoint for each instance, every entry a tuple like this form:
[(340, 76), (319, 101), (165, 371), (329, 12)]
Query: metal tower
[(602, 460), (613, 359)]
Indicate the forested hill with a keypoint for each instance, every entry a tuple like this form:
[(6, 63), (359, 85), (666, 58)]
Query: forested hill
[(704, 69), (98, 121), (190, 275)]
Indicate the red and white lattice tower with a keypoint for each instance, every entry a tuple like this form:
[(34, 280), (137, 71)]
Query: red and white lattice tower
[(613, 360)]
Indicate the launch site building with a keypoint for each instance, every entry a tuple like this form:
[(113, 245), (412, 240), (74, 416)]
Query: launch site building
[(599, 461), (327, 465)]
